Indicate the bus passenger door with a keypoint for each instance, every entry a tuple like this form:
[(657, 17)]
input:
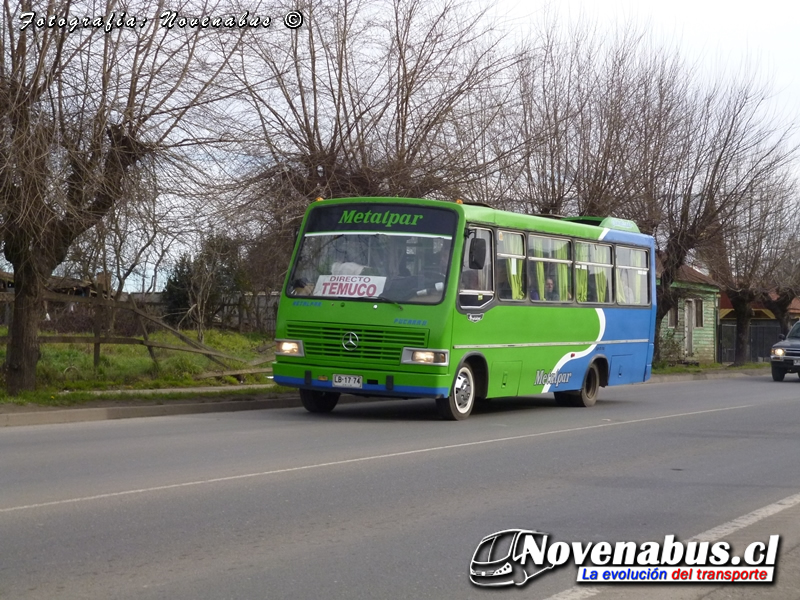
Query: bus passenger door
[(475, 284), (475, 295)]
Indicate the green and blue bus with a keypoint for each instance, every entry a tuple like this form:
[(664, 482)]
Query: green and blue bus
[(413, 298)]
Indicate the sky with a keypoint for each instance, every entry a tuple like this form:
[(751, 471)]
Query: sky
[(724, 37)]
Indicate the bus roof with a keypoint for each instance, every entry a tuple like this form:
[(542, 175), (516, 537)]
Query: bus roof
[(583, 226)]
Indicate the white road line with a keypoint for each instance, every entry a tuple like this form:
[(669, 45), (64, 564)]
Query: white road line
[(712, 535), (362, 459), (576, 593), (726, 529)]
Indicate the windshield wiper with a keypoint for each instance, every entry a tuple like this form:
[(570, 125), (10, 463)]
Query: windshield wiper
[(370, 298), (384, 299)]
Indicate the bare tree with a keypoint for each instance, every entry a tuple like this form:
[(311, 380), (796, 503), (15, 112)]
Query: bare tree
[(201, 290), (81, 105), (747, 260), (132, 240), (718, 148), (606, 140), (367, 99), (553, 82), (582, 126), (783, 286), (588, 106), (627, 128)]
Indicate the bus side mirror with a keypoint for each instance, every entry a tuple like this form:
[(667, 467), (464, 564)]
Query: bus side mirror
[(477, 254)]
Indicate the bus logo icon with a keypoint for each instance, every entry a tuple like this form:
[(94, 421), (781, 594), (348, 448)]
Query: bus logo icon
[(505, 558), (350, 341)]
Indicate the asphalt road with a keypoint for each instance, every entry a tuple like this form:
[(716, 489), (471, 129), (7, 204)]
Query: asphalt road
[(384, 500)]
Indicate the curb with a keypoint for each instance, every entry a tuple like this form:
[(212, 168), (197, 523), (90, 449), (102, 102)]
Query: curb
[(76, 415), (289, 400)]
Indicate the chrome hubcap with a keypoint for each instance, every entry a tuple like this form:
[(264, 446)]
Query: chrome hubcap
[(462, 391)]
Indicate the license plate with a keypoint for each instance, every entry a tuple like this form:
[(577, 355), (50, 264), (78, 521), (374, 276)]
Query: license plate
[(347, 381)]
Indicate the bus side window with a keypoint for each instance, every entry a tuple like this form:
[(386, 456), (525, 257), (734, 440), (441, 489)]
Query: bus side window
[(510, 266), (550, 268)]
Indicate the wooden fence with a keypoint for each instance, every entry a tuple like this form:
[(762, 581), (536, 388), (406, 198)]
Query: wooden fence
[(102, 306)]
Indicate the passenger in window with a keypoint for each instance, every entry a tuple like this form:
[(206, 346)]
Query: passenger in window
[(550, 293)]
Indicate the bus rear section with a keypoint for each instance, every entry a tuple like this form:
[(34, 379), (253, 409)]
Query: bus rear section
[(562, 307)]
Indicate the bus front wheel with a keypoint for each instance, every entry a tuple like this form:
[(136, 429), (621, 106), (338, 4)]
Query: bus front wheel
[(458, 405), (587, 395), (318, 402)]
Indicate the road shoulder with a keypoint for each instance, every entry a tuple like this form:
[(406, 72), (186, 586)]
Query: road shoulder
[(138, 403)]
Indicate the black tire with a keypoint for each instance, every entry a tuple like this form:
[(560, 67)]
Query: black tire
[(777, 373), (319, 402), (458, 405), (587, 395)]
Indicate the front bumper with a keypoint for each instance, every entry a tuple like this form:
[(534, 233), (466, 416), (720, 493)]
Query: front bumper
[(790, 364), (374, 383)]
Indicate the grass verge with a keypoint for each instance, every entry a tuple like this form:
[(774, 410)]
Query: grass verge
[(66, 375)]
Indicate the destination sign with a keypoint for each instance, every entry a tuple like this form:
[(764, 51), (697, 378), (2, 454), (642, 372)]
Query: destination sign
[(351, 286), (381, 218)]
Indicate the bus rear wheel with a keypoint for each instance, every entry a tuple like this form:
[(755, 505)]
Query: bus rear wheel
[(458, 405), (318, 402), (587, 395)]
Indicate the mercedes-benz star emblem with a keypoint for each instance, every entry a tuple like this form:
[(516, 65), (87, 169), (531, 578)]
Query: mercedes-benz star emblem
[(350, 341)]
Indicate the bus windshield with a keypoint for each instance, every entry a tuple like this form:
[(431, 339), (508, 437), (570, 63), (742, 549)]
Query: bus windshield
[(396, 253)]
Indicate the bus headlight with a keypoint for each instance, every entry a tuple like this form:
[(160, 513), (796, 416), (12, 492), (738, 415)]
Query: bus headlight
[(778, 352), (424, 356), (289, 348)]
